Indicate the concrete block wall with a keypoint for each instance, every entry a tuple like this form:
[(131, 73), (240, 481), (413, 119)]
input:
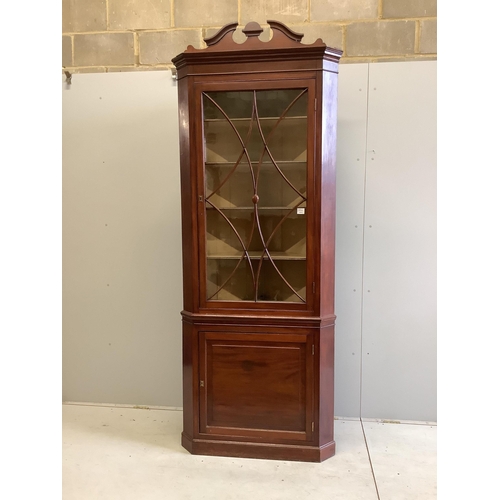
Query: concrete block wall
[(129, 35)]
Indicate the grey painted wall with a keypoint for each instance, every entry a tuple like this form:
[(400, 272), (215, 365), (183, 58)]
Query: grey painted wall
[(121, 240), (122, 250), (399, 272)]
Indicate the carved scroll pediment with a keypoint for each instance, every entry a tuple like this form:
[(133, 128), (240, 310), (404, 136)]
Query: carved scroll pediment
[(283, 37), (222, 47)]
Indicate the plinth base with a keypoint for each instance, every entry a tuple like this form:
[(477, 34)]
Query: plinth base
[(258, 450)]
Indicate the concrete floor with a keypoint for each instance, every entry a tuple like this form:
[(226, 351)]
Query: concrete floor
[(128, 453)]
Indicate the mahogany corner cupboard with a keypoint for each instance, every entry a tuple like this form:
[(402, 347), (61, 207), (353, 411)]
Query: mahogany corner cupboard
[(257, 157)]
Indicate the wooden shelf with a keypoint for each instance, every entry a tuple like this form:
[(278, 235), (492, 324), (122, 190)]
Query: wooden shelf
[(228, 164), (257, 255), (261, 118), (251, 208)]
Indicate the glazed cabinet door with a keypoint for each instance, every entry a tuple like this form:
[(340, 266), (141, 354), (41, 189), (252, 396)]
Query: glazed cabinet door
[(256, 191), (257, 386)]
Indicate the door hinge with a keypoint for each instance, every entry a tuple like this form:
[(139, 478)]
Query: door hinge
[(202, 383), (315, 104), (314, 287), (312, 426), (313, 350)]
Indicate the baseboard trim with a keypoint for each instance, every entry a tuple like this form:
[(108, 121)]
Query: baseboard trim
[(179, 408), (122, 405)]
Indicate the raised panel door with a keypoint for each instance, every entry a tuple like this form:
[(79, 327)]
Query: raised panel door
[(256, 385)]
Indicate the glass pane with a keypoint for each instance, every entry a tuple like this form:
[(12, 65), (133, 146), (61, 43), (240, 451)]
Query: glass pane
[(274, 288), (256, 194)]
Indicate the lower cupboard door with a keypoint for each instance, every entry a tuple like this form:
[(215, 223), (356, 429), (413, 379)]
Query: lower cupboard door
[(258, 387)]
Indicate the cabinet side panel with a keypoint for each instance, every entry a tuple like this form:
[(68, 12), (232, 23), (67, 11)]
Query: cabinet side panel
[(327, 156), (326, 382), (187, 180), (187, 379)]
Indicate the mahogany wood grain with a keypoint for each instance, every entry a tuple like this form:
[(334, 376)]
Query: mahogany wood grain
[(325, 360), (258, 376), (256, 382), (188, 224), (327, 112), (270, 451), (263, 321), (189, 379)]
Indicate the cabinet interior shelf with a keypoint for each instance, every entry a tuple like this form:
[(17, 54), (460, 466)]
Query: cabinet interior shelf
[(251, 208), (257, 255), (228, 164), (261, 118)]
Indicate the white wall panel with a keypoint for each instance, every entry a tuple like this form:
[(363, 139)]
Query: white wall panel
[(351, 141), (399, 304), (121, 240)]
